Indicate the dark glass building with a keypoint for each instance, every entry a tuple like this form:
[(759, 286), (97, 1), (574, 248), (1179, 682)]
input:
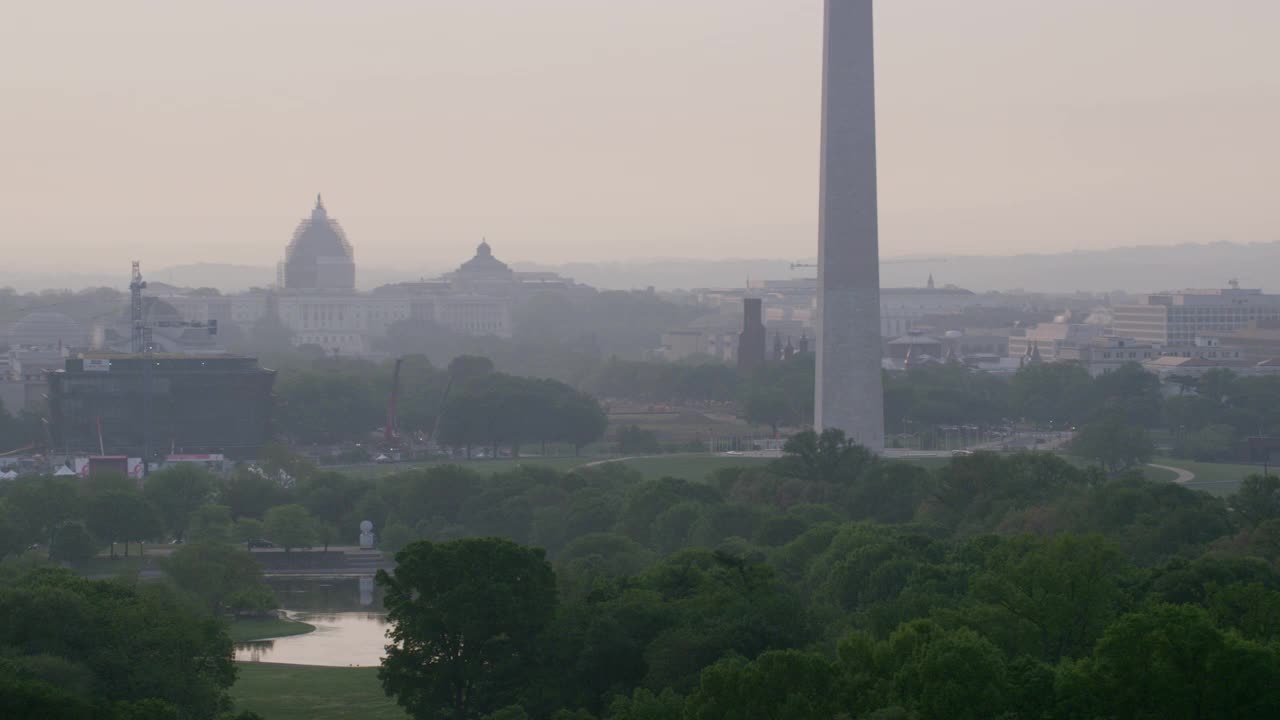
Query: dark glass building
[(131, 404)]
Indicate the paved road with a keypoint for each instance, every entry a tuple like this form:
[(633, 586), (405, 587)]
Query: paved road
[(1184, 476)]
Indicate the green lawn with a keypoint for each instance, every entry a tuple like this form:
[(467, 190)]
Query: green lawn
[(1216, 478), (302, 692), (688, 467), (246, 629), (683, 426), (488, 467)]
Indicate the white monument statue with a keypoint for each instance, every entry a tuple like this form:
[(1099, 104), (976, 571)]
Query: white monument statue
[(366, 535), (848, 393)]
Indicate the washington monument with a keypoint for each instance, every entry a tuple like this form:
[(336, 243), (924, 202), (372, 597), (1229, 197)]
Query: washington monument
[(849, 395)]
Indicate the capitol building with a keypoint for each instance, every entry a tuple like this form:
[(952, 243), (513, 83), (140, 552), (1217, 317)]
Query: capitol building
[(316, 299)]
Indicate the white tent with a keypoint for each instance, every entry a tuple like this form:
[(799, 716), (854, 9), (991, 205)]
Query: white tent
[(8, 475), (64, 471)]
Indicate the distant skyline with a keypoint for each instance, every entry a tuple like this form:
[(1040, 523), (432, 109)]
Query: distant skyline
[(568, 130)]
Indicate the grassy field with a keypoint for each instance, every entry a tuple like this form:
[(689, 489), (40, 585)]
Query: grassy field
[(246, 629), (683, 426), (488, 467), (689, 466), (300, 692), (1159, 475)]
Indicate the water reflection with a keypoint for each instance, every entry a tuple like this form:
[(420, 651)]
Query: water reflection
[(343, 639), (328, 595), (350, 627)]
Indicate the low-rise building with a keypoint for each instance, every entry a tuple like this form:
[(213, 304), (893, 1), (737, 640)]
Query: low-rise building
[(1177, 318), (1050, 338)]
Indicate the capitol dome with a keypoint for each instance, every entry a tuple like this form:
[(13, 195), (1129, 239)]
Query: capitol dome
[(47, 329), (484, 263), (319, 257)]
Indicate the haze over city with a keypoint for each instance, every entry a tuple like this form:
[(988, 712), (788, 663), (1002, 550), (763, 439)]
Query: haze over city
[(580, 130), (640, 359)]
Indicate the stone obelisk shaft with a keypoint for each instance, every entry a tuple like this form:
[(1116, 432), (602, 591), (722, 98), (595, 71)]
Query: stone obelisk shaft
[(849, 393)]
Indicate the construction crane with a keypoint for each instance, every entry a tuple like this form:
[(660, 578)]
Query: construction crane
[(141, 344)]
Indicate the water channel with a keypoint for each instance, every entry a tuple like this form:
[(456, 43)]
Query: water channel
[(348, 616)]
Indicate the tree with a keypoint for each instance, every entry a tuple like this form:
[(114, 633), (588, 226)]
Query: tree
[(1054, 596), (830, 457), (1257, 500), (1172, 662), (122, 517), (465, 368), (129, 650), (465, 616), (1130, 392), (1052, 392), (1212, 443), (176, 492), (290, 526), (248, 530), (213, 572), (326, 534), (41, 504), (72, 544), (210, 523), (582, 421), (778, 684), (770, 406), (329, 405), (249, 494), (634, 440), (1115, 445)]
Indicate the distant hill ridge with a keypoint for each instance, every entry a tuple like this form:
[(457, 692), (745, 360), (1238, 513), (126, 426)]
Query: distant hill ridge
[(1136, 269)]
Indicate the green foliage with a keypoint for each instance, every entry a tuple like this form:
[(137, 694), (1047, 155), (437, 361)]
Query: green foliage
[(1257, 500), (1172, 662), (1114, 444), (72, 544), (783, 683), (247, 530), (1052, 392), (829, 457), (770, 406), (290, 526), (948, 394), (125, 651), (1212, 443), (497, 409), (177, 492), (466, 616), (644, 704), (118, 516), (221, 576), (39, 505), (328, 404), (633, 440), (1050, 597), (210, 524)]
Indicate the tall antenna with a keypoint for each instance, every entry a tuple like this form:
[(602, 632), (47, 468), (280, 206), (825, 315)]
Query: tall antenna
[(136, 286)]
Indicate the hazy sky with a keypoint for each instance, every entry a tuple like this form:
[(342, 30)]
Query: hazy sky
[(611, 129)]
